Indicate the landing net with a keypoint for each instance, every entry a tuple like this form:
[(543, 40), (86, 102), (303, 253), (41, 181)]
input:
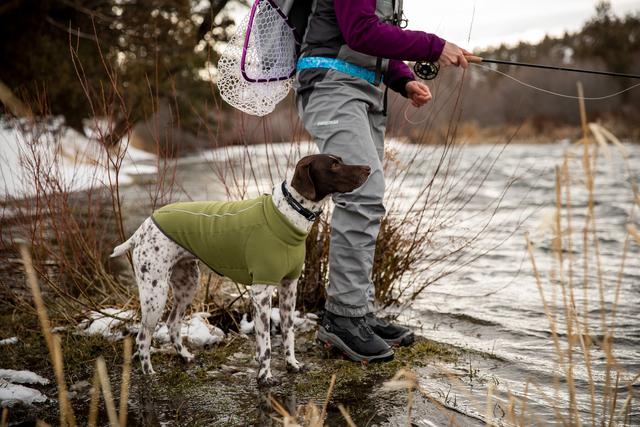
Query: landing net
[(256, 67)]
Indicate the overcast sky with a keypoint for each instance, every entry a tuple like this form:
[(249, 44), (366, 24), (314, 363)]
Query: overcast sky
[(498, 21)]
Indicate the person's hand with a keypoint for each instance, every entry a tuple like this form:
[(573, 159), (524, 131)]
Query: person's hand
[(418, 93), (453, 55)]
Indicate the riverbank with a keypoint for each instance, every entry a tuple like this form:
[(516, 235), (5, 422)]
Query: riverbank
[(219, 388)]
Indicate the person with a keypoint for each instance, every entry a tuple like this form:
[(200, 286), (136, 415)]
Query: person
[(349, 48)]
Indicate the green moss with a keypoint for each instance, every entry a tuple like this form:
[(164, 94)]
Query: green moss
[(206, 392), (352, 376)]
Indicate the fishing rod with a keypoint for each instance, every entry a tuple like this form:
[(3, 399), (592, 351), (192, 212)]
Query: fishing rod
[(429, 70)]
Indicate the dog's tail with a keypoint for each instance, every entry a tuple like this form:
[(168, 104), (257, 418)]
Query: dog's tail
[(121, 249)]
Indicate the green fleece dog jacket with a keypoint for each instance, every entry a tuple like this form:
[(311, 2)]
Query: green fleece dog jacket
[(249, 241)]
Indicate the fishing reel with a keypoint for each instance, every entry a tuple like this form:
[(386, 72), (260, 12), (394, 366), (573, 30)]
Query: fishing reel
[(426, 70)]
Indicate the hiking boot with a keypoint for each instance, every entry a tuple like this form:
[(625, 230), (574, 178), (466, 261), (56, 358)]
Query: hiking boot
[(354, 337), (392, 334)]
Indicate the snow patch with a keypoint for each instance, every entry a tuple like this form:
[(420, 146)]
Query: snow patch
[(11, 393), (302, 323), (9, 341), (196, 330), (105, 323), (76, 161), (22, 377), (246, 327), (14, 393)]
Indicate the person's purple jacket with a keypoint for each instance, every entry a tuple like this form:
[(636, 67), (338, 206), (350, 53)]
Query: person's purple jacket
[(365, 33)]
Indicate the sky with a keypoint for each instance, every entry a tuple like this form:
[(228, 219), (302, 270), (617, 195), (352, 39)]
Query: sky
[(498, 21)]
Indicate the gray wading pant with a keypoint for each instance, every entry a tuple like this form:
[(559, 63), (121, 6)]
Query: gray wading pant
[(344, 115)]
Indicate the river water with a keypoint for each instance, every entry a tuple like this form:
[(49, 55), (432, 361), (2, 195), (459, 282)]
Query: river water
[(480, 200)]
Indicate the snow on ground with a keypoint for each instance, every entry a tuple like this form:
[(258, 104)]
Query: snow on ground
[(78, 162), (22, 377), (246, 327), (196, 330), (12, 392), (9, 341), (106, 323), (301, 323), (109, 324)]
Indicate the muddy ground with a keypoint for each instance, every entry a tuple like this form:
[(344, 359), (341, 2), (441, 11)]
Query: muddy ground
[(219, 389)]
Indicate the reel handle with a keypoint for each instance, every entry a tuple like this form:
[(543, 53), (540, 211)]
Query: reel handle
[(429, 70), (473, 59)]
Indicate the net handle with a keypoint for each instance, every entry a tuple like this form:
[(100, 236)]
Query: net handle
[(245, 46)]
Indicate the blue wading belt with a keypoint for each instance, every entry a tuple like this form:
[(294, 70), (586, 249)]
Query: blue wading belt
[(345, 67)]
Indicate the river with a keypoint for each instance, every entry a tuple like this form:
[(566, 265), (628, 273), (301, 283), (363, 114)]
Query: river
[(484, 198)]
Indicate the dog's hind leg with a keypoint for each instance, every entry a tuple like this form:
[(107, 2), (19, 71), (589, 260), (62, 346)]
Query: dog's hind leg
[(153, 257), (287, 302), (261, 298), (184, 282), (153, 284)]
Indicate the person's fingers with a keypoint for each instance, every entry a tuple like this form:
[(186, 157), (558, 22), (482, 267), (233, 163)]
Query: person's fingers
[(419, 101), (422, 90), (462, 61)]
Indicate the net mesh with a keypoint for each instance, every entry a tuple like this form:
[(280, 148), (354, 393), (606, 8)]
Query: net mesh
[(256, 67)]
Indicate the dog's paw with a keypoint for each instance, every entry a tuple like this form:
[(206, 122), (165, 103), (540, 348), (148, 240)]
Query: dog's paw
[(187, 357), (149, 371), (269, 381), (297, 367)]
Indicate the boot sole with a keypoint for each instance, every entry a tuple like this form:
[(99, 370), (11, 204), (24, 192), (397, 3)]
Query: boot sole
[(402, 341), (333, 340)]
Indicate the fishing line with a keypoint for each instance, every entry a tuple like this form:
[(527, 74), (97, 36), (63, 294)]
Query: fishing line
[(426, 116), (562, 95), (530, 86)]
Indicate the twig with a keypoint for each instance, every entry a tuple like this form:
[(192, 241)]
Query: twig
[(95, 399), (5, 417), (106, 392), (346, 416), (332, 383), (124, 386), (53, 341)]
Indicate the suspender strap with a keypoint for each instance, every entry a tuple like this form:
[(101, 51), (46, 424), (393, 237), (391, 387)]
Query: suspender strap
[(378, 78)]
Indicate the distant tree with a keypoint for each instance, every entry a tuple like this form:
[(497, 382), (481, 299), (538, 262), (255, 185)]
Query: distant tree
[(614, 40), (153, 47)]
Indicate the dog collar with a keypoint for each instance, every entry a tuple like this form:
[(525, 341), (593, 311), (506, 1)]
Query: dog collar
[(309, 215)]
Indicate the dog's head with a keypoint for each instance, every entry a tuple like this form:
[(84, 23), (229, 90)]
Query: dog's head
[(319, 175)]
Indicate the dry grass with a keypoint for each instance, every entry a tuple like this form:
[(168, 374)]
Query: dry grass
[(67, 415), (611, 388)]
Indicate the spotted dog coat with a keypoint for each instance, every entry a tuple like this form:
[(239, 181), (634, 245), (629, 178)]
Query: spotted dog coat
[(160, 263)]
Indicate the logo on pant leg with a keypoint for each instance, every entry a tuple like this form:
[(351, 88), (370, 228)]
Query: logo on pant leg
[(328, 123)]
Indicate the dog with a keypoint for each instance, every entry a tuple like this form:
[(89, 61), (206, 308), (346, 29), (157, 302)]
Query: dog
[(258, 242)]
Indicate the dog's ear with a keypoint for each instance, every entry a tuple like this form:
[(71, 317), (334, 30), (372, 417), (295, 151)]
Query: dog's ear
[(302, 181)]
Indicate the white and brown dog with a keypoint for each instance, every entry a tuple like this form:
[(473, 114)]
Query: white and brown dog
[(258, 242)]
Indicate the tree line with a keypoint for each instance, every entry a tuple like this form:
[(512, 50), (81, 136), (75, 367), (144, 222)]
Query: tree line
[(81, 58)]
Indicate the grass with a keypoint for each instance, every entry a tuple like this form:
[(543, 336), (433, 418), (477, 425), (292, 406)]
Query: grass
[(582, 330), (71, 234)]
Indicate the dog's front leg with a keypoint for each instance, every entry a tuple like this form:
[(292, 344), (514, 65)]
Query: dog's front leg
[(261, 298), (287, 301)]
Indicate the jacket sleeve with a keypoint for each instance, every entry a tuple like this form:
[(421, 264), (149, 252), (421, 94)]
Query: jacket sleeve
[(363, 31), (397, 76)]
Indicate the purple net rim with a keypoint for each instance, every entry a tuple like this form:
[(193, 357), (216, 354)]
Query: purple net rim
[(245, 46)]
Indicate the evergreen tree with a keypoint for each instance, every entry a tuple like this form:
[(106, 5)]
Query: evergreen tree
[(151, 48)]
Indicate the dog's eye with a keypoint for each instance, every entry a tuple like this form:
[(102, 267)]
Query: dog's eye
[(334, 164)]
